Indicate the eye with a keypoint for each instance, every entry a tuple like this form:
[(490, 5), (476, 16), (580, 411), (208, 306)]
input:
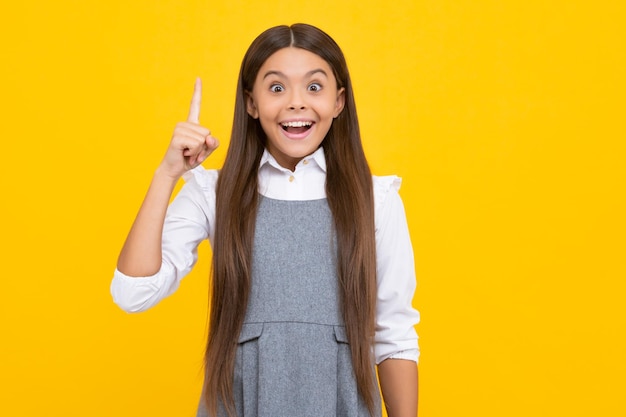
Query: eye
[(276, 88), (315, 87)]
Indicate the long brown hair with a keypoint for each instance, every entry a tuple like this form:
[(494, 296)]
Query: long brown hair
[(350, 197)]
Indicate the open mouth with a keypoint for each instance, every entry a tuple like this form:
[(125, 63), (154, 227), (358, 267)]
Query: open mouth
[(296, 127)]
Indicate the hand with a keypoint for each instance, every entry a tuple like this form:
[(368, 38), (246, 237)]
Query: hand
[(191, 143)]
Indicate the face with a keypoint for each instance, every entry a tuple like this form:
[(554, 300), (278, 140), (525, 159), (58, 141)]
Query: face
[(295, 98)]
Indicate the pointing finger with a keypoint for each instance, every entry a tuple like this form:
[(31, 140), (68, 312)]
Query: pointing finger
[(194, 108)]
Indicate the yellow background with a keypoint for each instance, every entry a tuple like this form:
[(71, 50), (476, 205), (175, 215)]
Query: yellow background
[(505, 119)]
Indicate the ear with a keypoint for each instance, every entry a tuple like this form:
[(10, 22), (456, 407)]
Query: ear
[(251, 107), (341, 101)]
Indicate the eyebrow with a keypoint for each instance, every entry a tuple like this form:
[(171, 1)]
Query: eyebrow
[(308, 74)]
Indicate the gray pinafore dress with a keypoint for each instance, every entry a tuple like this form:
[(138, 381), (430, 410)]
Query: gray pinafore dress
[(293, 358)]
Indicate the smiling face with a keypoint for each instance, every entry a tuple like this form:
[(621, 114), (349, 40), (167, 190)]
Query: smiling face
[(295, 97)]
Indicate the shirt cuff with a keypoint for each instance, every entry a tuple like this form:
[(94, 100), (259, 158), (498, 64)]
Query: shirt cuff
[(135, 294), (409, 354)]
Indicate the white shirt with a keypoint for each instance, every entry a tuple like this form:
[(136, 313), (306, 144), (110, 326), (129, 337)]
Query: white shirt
[(190, 219)]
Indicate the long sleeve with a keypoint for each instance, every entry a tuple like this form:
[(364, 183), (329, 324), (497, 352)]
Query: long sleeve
[(395, 316), (189, 221), (191, 216)]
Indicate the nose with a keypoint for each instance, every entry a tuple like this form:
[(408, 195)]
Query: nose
[(296, 101)]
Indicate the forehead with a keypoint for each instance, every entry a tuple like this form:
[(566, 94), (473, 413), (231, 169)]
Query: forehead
[(294, 62)]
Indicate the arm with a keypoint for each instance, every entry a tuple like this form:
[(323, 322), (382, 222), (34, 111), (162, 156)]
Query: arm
[(396, 347), (141, 253), (399, 386), (191, 143)]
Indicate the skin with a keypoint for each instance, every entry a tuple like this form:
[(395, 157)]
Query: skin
[(399, 386), (293, 84), (190, 145)]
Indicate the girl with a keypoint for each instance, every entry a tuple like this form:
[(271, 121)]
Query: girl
[(313, 273)]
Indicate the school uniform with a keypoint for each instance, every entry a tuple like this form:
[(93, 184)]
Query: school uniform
[(293, 358)]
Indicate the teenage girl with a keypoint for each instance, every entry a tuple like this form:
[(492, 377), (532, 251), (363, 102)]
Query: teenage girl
[(313, 273)]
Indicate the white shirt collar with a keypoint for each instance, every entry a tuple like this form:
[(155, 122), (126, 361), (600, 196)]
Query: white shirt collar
[(317, 157)]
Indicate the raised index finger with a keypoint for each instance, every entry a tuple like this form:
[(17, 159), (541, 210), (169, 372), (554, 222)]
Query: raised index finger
[(194, 108)]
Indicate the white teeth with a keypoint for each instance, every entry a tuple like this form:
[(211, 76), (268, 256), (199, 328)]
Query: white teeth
[(297, 124)]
